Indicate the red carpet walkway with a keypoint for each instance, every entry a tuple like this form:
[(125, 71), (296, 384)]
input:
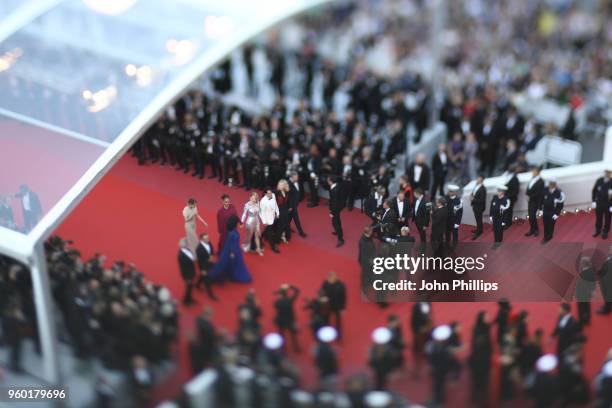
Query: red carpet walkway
[(134, 214)]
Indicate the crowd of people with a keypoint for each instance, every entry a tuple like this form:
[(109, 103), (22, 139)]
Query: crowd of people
[(108, 313), (526, 371)]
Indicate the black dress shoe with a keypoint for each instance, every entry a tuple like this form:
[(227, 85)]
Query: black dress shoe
[(604, 311), (275, 250), (212, 177), (604, 235), (334, 233), (303, 234), (544, 241), (475, 236), (339, 244), (529, 233), (596, 233), (535, 234)]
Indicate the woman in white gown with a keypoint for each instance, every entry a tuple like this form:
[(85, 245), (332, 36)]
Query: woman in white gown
[(190, 214), (251, 221)]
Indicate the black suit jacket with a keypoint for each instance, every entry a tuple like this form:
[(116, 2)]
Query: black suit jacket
[(405, 214), (421, 217), (536, 192), (513, 188), (423, 182), (439, 169), (204, 257), (295, 196), (335, 200), (35, 206), (479, 200), (566, 335), (186, 266), (439, 219), (389, 221)]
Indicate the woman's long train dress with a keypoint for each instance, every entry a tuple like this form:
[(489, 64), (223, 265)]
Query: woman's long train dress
[(230, 265)]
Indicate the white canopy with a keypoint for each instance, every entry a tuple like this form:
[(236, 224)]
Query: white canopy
[(81, 80)]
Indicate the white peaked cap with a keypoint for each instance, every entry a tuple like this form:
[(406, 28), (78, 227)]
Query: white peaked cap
[(327, 334), (502, 188), (452, 187), (381, 335), (273, 341), (302, 397), (552, 180), (442, 333), (547, 363), (164, 295), (607, 369), (377, 399)]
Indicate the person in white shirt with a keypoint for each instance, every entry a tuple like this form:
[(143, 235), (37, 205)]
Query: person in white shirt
[(30, 205), (269, 213)]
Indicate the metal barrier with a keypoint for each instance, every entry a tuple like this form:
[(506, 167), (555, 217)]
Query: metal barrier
[(575, 181)]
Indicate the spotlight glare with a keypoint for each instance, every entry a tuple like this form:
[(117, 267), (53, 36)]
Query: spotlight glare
[(110, 7)]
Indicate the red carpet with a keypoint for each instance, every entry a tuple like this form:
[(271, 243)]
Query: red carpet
[(134, 214)]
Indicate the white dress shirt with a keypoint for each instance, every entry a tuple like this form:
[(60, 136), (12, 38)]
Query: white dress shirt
[(418, 169), (206, 246), (268, 210), (26, 202), (533, 181)]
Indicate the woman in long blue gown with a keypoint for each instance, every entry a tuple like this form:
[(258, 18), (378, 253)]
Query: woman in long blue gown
[(230, 265)]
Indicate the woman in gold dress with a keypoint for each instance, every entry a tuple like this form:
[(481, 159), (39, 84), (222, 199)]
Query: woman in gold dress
[(190, 214)]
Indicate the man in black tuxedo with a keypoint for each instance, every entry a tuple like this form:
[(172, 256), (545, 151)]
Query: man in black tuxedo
[(335, 208), (402, 209), (204, 253), (535, 195), (602, 202), (478, 199), (419, 173), (439, 221), (605, 285), (420, 214), (439, 167), (512, 193), (388, 221), (30, 204), (373, 205), (186, 261), (566, 329), (206, 336), (335, 290), (295, 196), (285, 314)]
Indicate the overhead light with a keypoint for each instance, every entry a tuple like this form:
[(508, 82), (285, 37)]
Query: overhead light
[(110, 7), (8, 58), (218, 26), (144, 75), (182, 50), (101, 99), (130, 69)]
